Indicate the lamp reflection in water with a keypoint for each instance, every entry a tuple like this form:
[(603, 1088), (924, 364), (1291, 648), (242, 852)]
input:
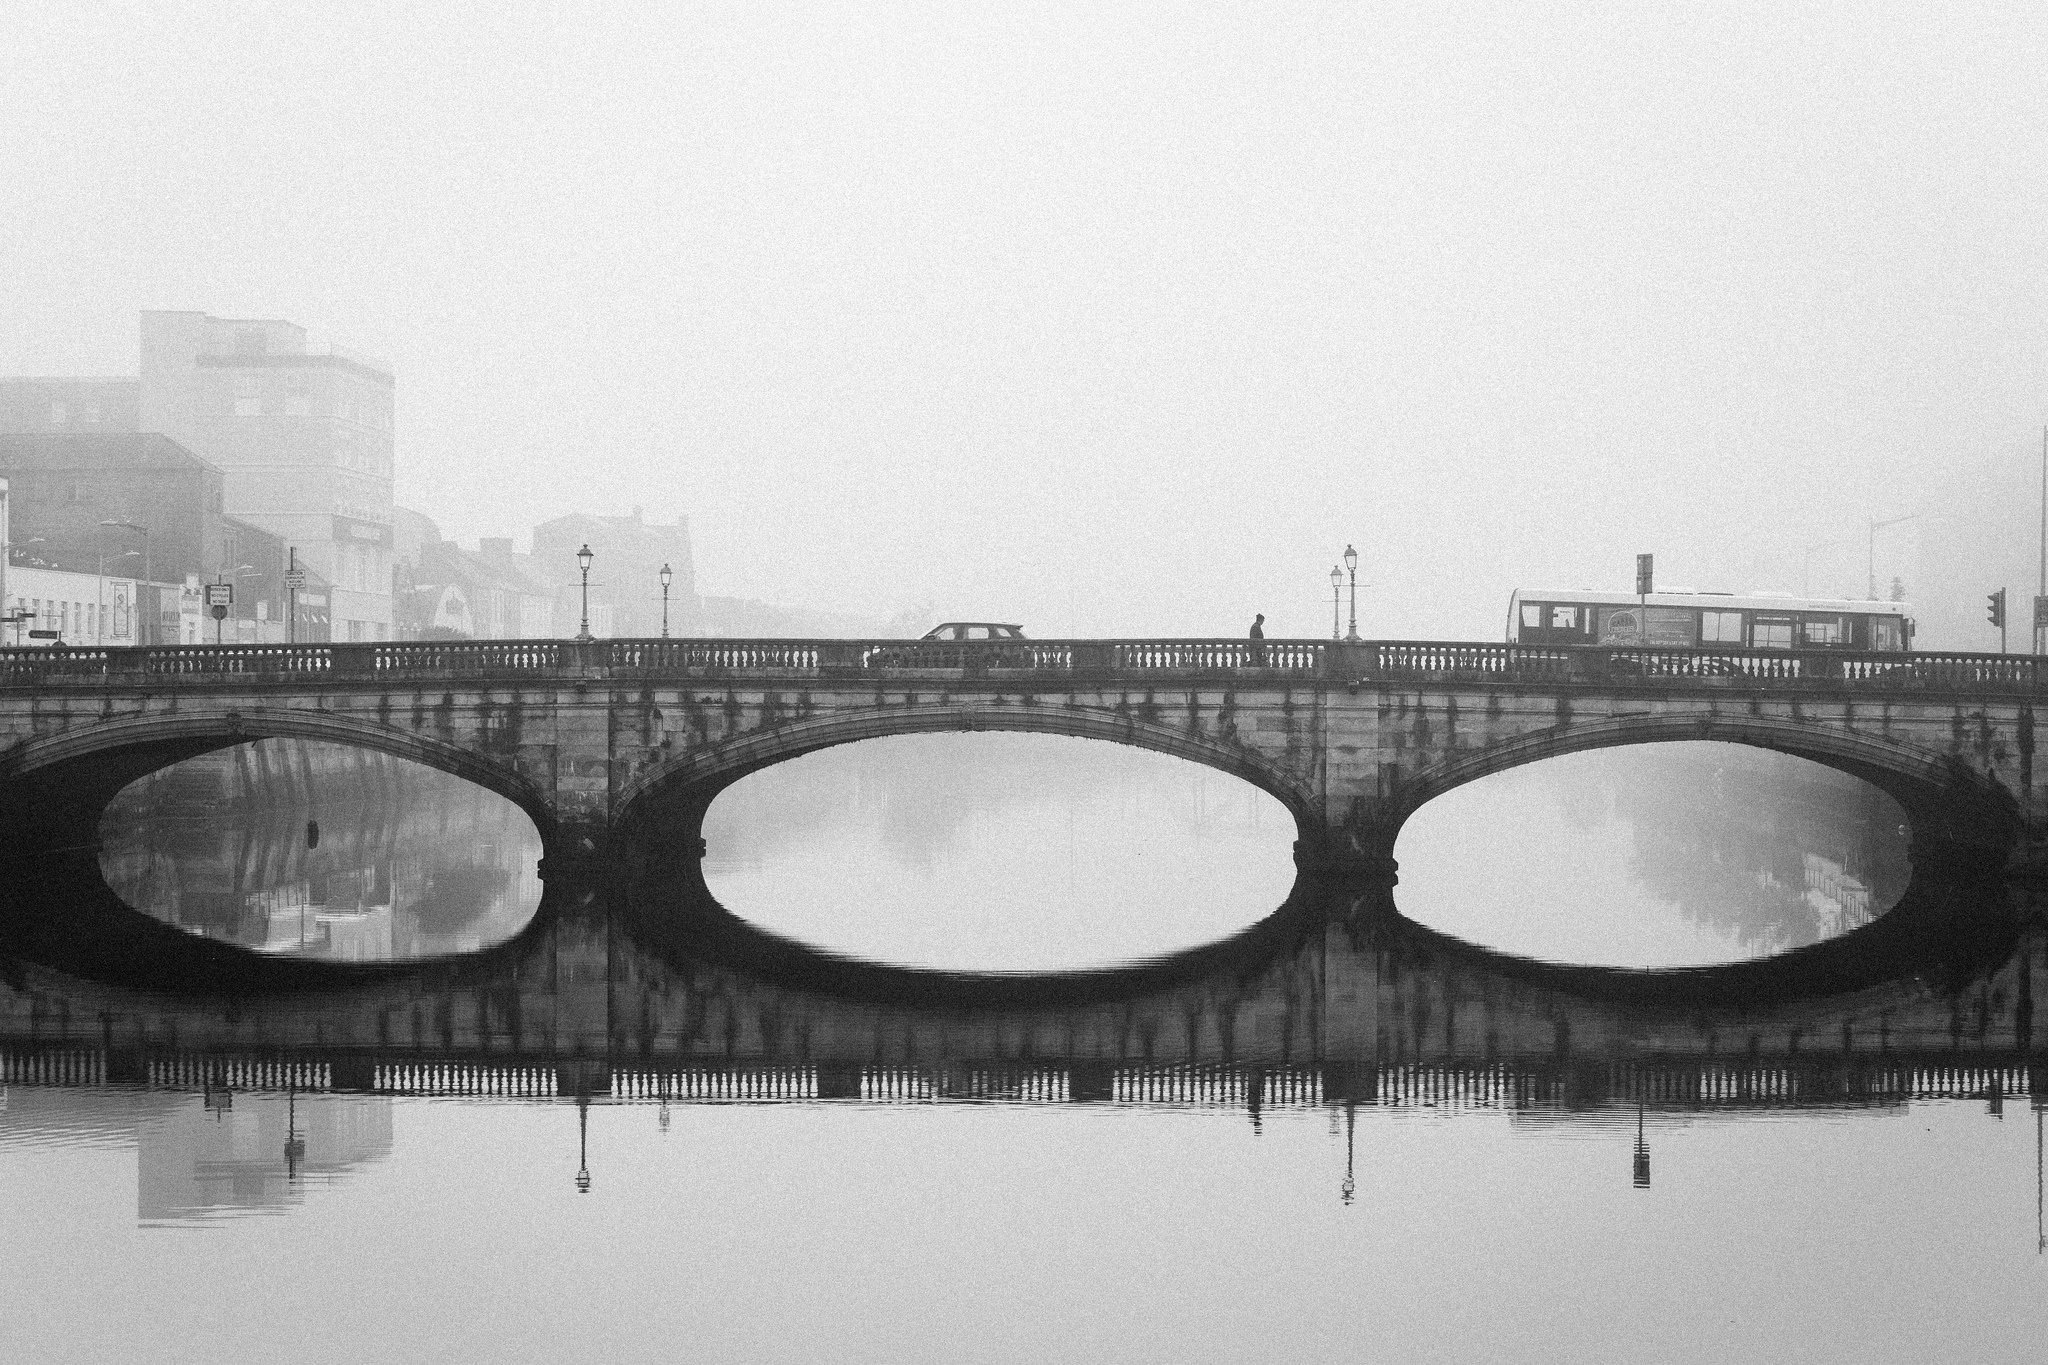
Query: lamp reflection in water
[(1642, 1163), (583, 1144), (1349, 1189), (294, 1145)]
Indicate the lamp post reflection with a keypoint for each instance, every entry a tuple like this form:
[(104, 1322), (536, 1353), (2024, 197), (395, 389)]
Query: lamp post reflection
[(1349, 1189), (583, 1144), (1642, 1154)]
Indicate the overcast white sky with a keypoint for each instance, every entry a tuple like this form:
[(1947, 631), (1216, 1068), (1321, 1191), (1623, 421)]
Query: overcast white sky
[(1104, 318)]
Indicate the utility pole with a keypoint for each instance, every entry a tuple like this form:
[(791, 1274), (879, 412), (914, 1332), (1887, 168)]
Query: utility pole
[(2042, 590)]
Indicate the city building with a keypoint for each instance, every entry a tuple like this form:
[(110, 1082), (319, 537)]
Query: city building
[(442, 590), (55, 606), (303, 437), (68, 407), (141, 508), (627, 555)]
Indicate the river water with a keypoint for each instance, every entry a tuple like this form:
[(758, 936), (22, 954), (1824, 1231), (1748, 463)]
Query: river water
[(1482, 1202)]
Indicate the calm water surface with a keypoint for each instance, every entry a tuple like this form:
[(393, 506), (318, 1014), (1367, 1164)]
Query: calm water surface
[(166, 1222), (435, 1229)]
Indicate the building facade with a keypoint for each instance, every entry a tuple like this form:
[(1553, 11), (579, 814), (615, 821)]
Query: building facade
[(303, 438), (142, 508), (68, 407)]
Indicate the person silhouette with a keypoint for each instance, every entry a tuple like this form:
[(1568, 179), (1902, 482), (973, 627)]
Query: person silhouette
[(1258, 635)]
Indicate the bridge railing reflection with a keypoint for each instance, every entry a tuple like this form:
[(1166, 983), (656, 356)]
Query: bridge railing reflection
[(1333, 661), (1528, 1085)]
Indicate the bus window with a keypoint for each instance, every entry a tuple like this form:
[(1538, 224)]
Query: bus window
[(1720, 627), (1771, 632), (1532, 616), (1884, 632), (1564, 618), (1823, 630)]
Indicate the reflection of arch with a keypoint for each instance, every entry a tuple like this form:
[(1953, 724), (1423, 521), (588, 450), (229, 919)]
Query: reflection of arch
[(1944, 798), (705, 772), (190, 732)]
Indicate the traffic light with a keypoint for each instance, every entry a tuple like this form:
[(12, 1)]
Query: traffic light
[(1997, 608)]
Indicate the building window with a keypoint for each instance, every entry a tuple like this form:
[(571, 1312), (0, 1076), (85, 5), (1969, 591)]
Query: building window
[(1721, 627), (58, 414), (248, 397)]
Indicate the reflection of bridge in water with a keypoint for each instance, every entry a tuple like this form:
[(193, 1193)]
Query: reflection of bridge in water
[(671, 999)]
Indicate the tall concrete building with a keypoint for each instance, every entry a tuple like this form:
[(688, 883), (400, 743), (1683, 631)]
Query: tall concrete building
[(303, 437)]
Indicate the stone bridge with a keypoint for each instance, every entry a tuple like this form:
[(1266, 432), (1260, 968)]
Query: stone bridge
[(615, 748)]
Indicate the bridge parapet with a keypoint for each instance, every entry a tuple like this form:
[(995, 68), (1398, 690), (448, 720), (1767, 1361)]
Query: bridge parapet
[(1166, 660)]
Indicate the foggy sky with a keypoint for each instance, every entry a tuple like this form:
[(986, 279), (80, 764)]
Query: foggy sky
[(1105, 319)]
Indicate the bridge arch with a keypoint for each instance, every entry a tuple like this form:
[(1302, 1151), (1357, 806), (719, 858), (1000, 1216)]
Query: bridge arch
[(696, 778), (1948, 802), (154, 741)]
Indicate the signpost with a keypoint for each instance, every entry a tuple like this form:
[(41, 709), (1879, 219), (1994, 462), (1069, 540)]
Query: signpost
[(294, 579), (219, 597), (1644, 564)]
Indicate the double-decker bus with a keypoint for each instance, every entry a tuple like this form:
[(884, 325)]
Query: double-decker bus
[(1706, 620)]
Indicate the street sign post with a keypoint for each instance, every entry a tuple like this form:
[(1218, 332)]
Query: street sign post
[(1644, 565), (219, 597)]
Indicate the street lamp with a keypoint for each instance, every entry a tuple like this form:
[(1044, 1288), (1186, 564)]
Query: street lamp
[(240, 571), (1351, 563), (141, 638), (666, 575), (1336, 597), (583, 557), (99, 621), (1875, 527)]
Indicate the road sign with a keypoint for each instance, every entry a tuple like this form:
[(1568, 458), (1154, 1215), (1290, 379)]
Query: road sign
[(220, 595), (295, 581), (1643, 565), (45, 635), (2040, 612)]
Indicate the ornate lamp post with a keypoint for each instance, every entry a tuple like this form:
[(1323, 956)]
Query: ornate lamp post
[(1351, 563), (583, 558), (1336, 597), (666, 575)]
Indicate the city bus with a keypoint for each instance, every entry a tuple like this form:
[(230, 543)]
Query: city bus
[(1684, 619)]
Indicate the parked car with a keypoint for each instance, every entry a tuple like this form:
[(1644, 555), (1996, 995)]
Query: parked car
[(974, 630)]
